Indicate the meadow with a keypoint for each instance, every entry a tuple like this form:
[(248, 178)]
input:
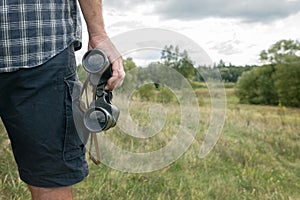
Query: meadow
[(256, 157)]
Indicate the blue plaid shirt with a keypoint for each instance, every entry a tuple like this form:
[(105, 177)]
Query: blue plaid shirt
[(33, 31)]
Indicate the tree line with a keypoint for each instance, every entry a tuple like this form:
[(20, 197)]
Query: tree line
[(276, 81), (172, 57)]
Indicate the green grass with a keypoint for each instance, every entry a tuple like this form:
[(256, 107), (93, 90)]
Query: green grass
[(256, 157), (11, 187)]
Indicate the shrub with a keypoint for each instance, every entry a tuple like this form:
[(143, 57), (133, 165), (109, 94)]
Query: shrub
[(257, 86), (287, 82)]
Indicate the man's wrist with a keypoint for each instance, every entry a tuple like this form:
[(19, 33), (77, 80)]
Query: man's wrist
[(109, 49)]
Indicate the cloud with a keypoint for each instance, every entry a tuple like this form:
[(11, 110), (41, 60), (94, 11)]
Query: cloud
[(121, 4), (129, 5), (227, 47), (245, 10)]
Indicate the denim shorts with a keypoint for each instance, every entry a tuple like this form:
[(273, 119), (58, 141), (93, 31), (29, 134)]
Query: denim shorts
[(36, 110)]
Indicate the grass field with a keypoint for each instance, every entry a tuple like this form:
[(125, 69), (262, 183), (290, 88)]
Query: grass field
[(256, 157)]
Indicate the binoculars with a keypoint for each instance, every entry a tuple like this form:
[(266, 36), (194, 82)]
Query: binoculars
[(101, 113)]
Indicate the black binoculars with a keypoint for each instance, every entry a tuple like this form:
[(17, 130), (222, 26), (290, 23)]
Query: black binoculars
[(101, 114)]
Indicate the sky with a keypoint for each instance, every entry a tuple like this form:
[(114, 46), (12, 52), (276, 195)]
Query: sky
[(232, 30)]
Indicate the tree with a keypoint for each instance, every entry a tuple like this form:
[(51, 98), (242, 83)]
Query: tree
[(221, 64), (170, 56), (180, 61), (285, 56), (277, 82), (128, 64), (131, 75), (283, 51), (232, 73), (287, 82), (257, 86)]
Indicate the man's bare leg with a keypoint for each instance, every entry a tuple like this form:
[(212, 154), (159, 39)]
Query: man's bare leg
[(38, 193)]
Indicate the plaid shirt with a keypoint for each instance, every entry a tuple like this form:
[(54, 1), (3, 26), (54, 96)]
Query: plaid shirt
[(33, 31)]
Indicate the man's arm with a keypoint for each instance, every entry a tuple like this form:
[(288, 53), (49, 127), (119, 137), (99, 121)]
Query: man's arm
[(92, 12)]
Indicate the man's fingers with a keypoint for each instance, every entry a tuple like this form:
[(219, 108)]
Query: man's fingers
[(118, 75), (114, 82)]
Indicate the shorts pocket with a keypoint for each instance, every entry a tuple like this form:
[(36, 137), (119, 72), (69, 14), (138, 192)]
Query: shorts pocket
[(73, 142)]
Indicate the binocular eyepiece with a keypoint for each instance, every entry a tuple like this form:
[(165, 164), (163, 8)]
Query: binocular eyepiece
[(101, 114)]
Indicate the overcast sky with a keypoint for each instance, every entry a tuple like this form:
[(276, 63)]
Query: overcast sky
[(232, 30)]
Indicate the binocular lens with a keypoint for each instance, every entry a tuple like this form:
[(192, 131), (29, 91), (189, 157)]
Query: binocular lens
[(96, 120), (94, 61)]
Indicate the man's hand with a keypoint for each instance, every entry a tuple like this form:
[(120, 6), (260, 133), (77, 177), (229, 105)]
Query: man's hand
[(118, 74), (92, 12)]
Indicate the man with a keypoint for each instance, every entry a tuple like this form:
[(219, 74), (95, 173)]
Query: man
[(37, 75)]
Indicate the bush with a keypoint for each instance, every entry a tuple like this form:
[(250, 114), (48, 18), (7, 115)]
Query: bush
[(257, 86), (287, 82), (197, 84), (155, 93), (165, 95), (271, 85), (146, 92)]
